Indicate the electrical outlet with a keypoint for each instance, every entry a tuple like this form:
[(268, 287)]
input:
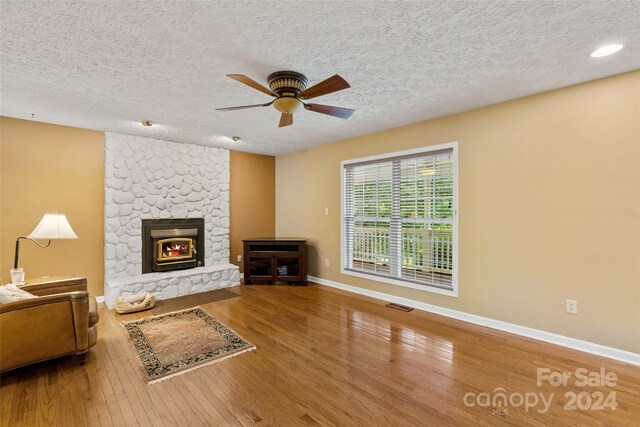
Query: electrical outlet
[(239, 258), (326, 263), (326, 211), (572, 306)]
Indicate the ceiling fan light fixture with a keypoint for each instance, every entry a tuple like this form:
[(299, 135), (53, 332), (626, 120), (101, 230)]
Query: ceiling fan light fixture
[(287, 104)]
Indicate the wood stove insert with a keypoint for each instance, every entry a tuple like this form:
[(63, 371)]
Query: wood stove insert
[(172, 244)]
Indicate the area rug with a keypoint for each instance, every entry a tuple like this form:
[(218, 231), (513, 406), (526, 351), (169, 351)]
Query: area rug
[(174, 343)]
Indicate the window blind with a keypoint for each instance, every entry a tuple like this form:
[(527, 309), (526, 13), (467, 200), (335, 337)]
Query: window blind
[(399, 218)]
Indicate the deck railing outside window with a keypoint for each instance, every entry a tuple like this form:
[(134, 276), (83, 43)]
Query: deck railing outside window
[(425, 253)]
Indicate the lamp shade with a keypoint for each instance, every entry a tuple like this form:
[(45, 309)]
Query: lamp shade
[(53, 226)]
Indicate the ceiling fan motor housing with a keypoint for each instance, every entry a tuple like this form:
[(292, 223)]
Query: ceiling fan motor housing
[(287, 83)]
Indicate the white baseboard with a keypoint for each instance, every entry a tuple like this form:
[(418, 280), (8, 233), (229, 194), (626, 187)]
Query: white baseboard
[(573, 343), (100, 298)]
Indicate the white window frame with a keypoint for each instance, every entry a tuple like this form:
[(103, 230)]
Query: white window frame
[(407, 284)]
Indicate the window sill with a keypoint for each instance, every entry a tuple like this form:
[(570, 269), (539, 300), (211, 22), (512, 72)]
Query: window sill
[(404, 284)]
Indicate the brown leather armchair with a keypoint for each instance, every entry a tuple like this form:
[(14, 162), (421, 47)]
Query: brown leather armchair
[(62, 321)]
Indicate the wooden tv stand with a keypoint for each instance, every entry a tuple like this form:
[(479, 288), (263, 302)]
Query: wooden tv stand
[(275, 260)]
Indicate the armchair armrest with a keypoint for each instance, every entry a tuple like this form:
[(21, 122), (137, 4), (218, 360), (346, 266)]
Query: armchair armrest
[(77, 297), (55, 285)]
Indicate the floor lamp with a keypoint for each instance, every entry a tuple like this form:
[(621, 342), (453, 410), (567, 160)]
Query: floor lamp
[(52, 226)]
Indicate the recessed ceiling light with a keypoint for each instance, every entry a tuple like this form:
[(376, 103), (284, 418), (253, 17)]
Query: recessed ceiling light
[(224, 139), (146, 123), (609, 49)]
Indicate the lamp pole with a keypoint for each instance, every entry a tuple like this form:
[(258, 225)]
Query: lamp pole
[(15, 260)]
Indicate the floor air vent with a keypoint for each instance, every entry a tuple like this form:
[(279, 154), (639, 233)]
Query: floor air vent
[(399, 307)]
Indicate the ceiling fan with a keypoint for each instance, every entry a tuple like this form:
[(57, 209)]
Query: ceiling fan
[(289, 88)]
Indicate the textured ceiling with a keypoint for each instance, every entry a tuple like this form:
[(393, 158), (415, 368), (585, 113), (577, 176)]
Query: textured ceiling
[(105, 64)]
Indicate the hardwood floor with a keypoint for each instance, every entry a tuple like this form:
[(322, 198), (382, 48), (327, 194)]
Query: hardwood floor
[(324, 357)]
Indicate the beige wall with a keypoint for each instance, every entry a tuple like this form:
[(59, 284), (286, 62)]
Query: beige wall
[(549, 208), (46, 168), (252, 199)]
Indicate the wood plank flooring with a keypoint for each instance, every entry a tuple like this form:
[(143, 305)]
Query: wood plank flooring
[(324, 357)]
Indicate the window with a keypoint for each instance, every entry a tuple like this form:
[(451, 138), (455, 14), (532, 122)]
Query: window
[(399, 218)]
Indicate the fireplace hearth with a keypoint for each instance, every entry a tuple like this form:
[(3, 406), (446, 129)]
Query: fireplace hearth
[(172, 244)]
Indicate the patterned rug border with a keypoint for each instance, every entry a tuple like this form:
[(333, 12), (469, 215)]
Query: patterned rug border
[(138, 341)]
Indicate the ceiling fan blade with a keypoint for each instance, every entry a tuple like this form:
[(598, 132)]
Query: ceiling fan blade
[(251, 83), (343, 113), (330, 85), (286, 119), (242, 107)]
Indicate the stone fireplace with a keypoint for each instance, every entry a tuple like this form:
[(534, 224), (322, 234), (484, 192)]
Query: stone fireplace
[(166, 218)]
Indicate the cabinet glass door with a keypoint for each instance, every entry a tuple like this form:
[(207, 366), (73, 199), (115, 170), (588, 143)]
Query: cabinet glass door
[(260, 266), (288, 267)]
